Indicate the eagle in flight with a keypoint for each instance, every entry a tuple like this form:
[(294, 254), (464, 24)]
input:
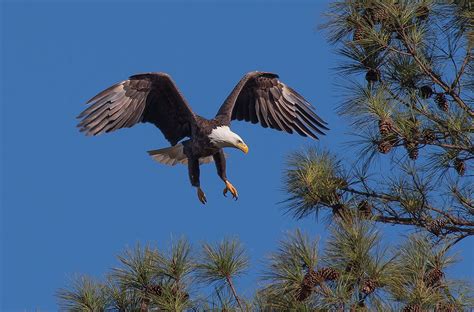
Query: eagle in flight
[(259, 97)]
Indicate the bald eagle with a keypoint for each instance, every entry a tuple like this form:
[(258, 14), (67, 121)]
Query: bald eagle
[(259, 97)]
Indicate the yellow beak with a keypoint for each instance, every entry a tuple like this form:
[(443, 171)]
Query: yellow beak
[(243, 147)]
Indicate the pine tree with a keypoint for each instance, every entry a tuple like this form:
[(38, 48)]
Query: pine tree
[(417, 104)]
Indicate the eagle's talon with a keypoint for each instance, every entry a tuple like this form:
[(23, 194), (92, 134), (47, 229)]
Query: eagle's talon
[(230, 188), (201, 196)]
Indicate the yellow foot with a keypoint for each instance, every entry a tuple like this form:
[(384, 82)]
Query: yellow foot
[(229, 187), (201, 196)]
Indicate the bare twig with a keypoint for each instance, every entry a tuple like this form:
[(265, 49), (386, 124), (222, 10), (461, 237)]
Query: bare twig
[(232, 288)]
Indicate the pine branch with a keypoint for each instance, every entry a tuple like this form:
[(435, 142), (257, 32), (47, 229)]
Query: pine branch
[(461, 71), (231, 285), (428, 71)]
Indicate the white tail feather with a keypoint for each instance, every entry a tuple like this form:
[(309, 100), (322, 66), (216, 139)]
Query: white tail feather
[(175, 155)]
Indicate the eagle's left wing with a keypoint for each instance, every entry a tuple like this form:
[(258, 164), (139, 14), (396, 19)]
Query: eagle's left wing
[(149, 97), (261, 97)]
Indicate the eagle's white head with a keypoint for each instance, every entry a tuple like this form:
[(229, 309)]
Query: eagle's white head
[(223, 137)]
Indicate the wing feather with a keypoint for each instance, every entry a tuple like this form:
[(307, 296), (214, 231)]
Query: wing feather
[(148, 97), (261, 97), (262, 114)]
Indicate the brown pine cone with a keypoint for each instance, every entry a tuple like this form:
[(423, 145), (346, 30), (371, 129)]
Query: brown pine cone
[(380, 15), (359, 34), (460, 166), (328, 274), (369, 286), (385, 146), (376, 15), (408, 83), (372, 75), (437, 225), (442, 102), (154, 289), (365, 208), (412, 149), (414, 307), (385, 126), (429, 136), (311, 279), (426, 92), (422, 12), (433, 277), (446, 307)]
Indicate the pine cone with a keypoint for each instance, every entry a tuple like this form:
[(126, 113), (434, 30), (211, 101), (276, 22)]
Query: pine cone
[(460, 166), (369, 286), (154, 289), (437, 225), (445, 307), (372, 75), (422, 12), (359, 34), (414, 307), (385, 126), (310, 280), (413, 153), (412, 149), (429, 136), (408, 83), (380, 15), (426, 92), (375, 15), (365, 208), (433, 277), (395, 30), (415, 130), (442, 102), (328, 274), (385, 146)]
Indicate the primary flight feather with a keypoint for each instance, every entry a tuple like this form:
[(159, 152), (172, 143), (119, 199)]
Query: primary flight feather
[(259, 97)]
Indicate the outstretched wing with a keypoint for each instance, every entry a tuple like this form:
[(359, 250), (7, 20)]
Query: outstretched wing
[(261, 97), (149, 97)]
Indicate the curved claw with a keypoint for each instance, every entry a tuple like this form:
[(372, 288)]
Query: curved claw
[(230, 188), (201, 196)]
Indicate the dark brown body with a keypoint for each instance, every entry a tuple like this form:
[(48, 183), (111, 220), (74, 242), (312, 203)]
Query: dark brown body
[(200, 146)]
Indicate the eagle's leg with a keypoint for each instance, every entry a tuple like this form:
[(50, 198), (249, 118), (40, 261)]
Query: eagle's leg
[(219, 159), (193, 169)]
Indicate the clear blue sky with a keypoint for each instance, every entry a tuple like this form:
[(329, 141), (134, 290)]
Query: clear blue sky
[(70, 203)]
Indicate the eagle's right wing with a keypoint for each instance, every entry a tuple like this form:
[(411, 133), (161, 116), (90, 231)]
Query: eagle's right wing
[(260, 97), (149, 97)]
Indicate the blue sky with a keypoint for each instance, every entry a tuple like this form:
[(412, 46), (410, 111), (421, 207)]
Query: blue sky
[(70, 203)]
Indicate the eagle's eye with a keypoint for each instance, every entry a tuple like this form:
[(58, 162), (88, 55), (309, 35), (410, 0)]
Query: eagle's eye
[(239, 141)]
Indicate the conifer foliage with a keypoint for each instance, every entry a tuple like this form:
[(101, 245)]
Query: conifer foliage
[(408, 75), (352, 271)]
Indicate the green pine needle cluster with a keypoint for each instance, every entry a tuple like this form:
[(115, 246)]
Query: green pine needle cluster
[(352, 271), (415, 58)]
